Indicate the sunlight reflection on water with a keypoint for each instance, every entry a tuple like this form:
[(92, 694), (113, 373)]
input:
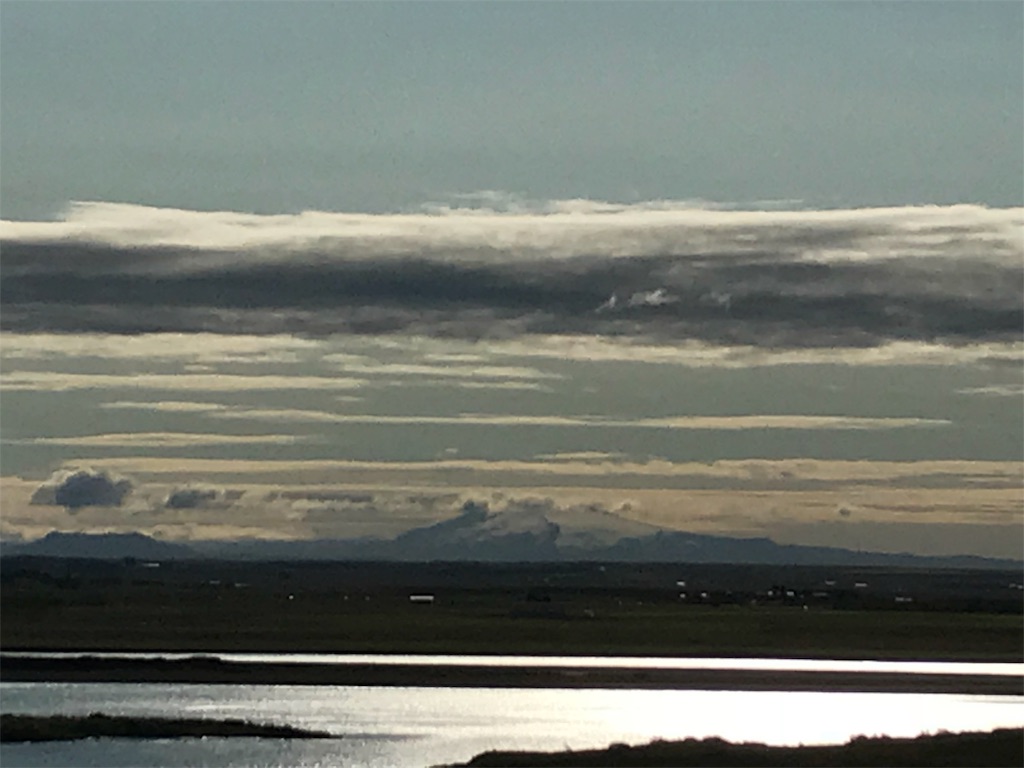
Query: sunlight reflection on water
[(388, 726)]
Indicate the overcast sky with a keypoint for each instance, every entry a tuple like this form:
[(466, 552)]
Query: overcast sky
[(333, 269)]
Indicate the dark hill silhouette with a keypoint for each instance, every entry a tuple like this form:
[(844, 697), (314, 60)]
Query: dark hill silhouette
[(480, 535), (101, 546)]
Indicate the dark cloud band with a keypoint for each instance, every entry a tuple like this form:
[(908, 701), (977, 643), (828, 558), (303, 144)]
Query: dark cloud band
[(855, 284)]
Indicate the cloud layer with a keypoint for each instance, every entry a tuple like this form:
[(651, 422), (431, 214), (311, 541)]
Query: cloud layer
[(662, 271), (823, 502), (82, 488)]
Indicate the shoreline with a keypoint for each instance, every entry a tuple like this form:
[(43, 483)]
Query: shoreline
[(199, 669), (39, 651)]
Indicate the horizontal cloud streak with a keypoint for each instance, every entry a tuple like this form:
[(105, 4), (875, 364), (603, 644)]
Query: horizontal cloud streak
[(444, 371), (996, 390), (169, 406), (698, 355), (662, 271), (58, 382), (761, 473), (755, 421), (563, 229), (299, 416), (456, 361), (199, 348), (162, 440)]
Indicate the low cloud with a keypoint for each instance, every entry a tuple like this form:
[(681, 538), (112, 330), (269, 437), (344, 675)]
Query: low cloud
[(755, 421), (696, 354), (995, 390), (372, 362), (361, 368), (793, 500), (797, 473), (665, 272), (191, 498), (82, 488), (196, 348), (586, 456), (164, 440), (168, 406), (48, 381)]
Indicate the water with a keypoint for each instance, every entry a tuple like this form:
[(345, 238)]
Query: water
[(399, 727), (629, 662)]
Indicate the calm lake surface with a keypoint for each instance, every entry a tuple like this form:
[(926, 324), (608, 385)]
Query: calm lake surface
[(398, 727)]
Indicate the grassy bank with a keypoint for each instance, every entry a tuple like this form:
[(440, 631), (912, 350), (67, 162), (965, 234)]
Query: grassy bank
[(96, 725), (1000, 748), (202, 669)]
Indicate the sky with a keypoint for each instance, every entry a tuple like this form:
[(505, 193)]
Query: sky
[(335, 269)]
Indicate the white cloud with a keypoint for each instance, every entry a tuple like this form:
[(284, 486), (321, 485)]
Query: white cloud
[(1003, 475), (169, 406), (501, 385), (535, 420), (590, 456), (364, 368), (703, 355), (158, 347), (59, 382), (559, 229), (995, 390), (695, 354), (447, 361), (162, 440), (786, 422)]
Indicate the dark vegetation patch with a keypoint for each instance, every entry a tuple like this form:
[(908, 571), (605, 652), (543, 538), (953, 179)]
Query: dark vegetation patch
[(212, 670), (97, 725), (1004, 747)]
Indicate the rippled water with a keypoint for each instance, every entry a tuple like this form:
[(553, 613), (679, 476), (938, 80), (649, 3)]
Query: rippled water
[(429, 726)]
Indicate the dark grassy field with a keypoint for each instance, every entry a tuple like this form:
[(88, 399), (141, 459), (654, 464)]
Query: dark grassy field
[(1000, 748), (482, 612), (144, 619)]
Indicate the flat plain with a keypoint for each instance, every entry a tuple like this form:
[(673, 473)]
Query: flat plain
[(529, 609)]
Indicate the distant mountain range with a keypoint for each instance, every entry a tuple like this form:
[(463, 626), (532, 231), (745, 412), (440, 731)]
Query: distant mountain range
[(99, 546), (478, 534)]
